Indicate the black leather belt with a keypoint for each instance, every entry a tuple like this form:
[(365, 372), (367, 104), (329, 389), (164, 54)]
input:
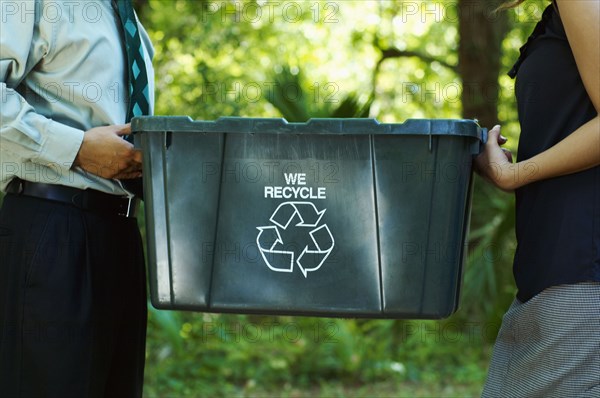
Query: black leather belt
[(88, 200)]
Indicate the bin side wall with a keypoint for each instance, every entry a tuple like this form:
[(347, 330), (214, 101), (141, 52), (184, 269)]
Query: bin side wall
[(422, 200), (193, 185), (156, 220)]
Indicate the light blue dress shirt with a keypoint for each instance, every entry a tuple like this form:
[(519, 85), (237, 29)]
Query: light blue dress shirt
[(62, 71)]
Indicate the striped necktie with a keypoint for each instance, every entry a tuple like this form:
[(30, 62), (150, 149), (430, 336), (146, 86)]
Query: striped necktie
[(139, 103)]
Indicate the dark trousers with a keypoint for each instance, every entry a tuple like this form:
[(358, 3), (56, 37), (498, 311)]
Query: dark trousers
[(72, 302)]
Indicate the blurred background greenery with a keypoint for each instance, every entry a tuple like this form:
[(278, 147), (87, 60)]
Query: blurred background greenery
[(391, 60)]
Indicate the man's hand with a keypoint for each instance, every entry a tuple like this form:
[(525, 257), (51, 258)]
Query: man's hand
[(105, 153)]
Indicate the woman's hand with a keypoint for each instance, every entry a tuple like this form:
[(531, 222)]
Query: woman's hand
[(495, 163)]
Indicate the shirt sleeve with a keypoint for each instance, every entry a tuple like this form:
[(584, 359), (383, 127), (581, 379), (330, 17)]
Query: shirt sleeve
[(25, 134)]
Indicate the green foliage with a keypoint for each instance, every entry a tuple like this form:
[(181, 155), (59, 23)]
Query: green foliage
[(297, 109), (488, 286), (224, 354)]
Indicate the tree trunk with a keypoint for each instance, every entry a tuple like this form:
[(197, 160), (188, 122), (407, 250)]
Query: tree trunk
[(479, 58)]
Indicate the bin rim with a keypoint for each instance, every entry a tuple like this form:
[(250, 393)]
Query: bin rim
[(316, 126)]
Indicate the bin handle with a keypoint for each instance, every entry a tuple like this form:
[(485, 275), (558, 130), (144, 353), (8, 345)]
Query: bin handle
[(484, 138), (478, 146)]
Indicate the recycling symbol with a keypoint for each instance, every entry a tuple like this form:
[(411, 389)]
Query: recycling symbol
[(302, 219)]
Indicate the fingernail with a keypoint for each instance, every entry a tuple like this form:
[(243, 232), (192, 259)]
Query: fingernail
[(503, 137)]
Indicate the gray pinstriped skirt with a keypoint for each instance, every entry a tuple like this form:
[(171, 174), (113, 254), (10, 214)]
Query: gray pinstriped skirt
[(549, 346)]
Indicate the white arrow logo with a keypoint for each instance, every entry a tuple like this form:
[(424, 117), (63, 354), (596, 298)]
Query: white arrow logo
[(312, 256)]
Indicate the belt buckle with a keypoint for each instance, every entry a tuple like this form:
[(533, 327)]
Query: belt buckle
[(130, 208)]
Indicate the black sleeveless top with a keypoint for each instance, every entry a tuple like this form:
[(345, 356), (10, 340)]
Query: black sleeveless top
[(558, 219)]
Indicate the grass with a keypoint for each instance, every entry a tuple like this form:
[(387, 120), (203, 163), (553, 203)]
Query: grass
[(338, 390)]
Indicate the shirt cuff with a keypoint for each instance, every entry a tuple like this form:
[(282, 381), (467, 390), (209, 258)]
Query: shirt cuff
[(60, 147)]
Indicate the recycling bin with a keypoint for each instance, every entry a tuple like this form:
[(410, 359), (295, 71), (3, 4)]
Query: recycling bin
[(332, 217)]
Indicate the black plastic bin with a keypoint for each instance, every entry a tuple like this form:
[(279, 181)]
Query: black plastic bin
[(332, 217)]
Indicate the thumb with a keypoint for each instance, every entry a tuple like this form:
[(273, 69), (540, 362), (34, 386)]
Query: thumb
[(123, 129), (493, 135)]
